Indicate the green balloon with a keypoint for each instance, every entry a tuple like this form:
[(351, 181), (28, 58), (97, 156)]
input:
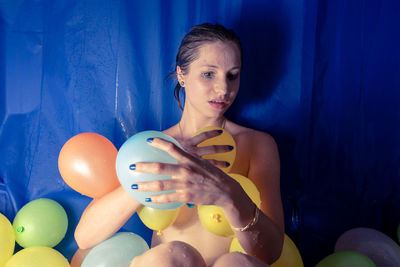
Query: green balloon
[(346, 259), (41, 222)]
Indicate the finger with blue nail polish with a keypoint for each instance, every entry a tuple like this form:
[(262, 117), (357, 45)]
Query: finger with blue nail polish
[(134, 187)]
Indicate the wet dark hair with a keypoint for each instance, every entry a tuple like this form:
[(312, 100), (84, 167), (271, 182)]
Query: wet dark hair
[(193, 40)]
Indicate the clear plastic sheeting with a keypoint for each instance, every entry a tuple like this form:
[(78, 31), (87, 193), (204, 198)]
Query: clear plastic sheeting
[(321, 76)]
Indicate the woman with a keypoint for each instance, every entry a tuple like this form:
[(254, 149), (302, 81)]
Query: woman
[(208, 67)]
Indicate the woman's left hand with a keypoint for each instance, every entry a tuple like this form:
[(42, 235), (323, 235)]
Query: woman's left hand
[(194, 179)]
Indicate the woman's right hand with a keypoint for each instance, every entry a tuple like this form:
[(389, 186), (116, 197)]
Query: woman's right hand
[(191, 146)]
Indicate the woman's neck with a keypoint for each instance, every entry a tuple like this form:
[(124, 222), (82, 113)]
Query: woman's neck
[(190, 124)]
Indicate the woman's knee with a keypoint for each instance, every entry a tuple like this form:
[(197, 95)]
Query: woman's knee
[(175, 253), (237, 259)]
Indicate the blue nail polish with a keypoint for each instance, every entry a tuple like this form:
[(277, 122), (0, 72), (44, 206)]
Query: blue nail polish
[(134, 186), (147, 199), (190, 205), (149, 140), (132, 167), (230, 147), (227, 164), (220, 131)]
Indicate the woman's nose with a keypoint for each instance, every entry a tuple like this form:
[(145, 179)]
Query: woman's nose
[(222, 87)]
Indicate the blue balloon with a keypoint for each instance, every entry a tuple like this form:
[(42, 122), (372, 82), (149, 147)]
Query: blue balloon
[(137, 149), (117, 251)]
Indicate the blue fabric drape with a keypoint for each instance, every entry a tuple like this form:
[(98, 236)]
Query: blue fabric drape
[(321, 76), (348, 157)]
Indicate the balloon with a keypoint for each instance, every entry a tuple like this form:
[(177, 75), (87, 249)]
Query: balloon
[(38, 257), (117, 251), (41, 222), (235, 246), (78, 257), (223, 139), (7, 240), (156, 219), (346, 259), (213, 218), (290, 256), (249, 187), (375, 245), (87, 164), (136, 149)]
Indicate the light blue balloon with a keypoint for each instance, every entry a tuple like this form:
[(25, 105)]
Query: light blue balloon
[(137, 149), (117, 251)]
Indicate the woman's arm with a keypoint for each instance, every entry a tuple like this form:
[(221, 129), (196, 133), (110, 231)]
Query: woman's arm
[(104, 216), (264, 238)]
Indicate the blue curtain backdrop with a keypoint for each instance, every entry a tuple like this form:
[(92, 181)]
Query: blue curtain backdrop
[(323, 77)]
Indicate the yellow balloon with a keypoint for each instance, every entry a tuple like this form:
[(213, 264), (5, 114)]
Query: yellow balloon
[(225, 138), (156, 219), (213, 218), (290, 256), (249, 187), (37, 257), (235, 246), (7, 239)]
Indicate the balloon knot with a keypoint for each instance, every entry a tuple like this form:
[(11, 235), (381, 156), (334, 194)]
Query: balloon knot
[(216, 217), (159, 233)]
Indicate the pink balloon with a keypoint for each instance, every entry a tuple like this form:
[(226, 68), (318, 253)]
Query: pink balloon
[(380, 248)]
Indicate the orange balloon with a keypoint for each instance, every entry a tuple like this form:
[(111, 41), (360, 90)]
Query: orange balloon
[(87, 164), (79, 256)]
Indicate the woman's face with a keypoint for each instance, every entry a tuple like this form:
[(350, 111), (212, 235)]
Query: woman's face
[(212, 81)]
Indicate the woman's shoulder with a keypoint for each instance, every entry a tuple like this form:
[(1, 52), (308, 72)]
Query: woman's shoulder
[(250, 135), (257, 147)]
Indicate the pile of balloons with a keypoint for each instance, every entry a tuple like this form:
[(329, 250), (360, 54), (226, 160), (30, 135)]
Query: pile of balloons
[(38, 226), (92, 166), (363, 247)]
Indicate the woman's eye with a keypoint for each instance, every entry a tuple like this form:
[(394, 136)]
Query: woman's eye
[(232, 77), (208, 74)]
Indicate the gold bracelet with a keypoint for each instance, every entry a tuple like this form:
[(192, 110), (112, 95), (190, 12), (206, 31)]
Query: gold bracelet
[(250, 224)]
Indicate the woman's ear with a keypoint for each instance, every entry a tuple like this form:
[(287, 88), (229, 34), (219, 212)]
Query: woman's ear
[(179, 74)]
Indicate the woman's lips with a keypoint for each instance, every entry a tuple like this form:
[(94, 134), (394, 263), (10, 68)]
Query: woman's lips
[(217, 104)]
